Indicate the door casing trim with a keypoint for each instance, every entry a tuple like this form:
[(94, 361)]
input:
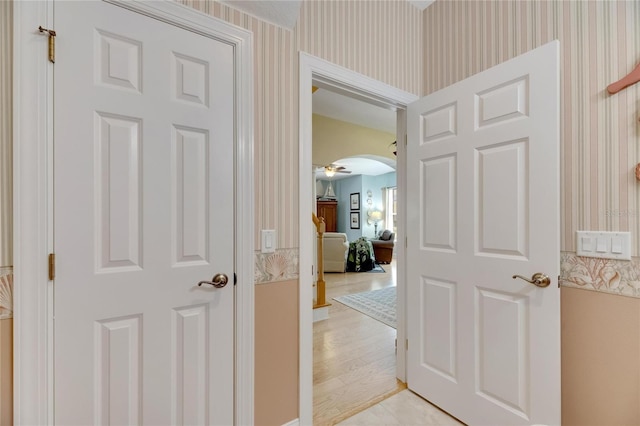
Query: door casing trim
[(321, 73), (33, 201)]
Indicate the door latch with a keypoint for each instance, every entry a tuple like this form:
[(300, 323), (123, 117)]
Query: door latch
[(52, 43)]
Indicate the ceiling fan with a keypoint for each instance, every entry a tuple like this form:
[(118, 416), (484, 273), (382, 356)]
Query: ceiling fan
[(331, 169)]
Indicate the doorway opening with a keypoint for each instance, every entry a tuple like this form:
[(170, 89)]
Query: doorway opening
[(355, 180), (322, 74)]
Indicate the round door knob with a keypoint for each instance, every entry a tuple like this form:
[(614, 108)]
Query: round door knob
[(218, 281)]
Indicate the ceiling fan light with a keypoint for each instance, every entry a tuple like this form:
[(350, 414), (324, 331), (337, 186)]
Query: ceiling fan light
[(329, 172), (393, 147)]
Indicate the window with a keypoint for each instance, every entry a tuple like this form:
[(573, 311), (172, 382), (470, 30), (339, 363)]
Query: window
[(390, 199)]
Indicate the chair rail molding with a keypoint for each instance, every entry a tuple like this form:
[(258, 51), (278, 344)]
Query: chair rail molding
[(33, 201)]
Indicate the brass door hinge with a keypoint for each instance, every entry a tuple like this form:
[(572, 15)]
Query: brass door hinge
[(52, 43), (407, 344), (52, 266)]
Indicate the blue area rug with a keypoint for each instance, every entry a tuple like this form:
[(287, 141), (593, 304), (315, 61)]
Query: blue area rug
[(377, 268), (378, 304)]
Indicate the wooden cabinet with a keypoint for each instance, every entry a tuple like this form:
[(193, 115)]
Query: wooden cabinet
[(329, 211)]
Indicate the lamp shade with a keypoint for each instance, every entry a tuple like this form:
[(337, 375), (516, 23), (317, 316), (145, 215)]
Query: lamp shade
[(376, 216)]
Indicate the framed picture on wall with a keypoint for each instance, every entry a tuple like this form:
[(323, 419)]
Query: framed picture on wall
[(355, 201), (355, 220)]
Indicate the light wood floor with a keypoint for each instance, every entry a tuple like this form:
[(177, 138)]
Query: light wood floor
[(353, 355), (402, 409)]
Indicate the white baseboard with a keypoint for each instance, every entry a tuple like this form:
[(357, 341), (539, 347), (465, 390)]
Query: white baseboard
[(294, 422), (320, 314)]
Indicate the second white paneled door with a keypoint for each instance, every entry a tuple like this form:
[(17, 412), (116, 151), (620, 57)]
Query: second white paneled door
[(483, 179), (144, 211)]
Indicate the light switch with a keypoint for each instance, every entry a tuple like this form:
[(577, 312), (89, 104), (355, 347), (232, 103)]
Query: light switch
[(616, 245), (268, 240), (604, 244)]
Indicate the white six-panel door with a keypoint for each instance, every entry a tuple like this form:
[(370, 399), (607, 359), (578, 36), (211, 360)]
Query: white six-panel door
[(144, 210), (483, 179)]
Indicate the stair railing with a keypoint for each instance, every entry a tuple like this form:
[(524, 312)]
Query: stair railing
[(321, 299)]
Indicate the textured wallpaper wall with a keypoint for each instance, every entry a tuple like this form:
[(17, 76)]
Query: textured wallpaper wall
[(381, 39), (600, 43), (6, 117)]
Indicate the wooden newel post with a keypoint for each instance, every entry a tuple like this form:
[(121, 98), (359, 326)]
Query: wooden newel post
[(321, 299)]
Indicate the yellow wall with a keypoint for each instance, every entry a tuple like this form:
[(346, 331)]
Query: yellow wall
[(335, 139)]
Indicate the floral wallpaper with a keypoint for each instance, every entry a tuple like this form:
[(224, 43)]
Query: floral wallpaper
[(6, 293), (620, 277), (279, 266)]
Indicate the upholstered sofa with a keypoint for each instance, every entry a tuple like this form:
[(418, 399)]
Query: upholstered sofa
[(383, 246), (335, 246)]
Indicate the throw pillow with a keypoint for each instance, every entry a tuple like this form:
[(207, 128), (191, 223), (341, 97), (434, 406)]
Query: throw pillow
[(386, 235)]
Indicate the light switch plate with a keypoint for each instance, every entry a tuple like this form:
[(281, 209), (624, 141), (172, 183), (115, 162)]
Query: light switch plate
[(605, 245), (268, 240)]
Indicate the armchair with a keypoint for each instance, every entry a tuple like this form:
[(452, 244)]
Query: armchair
[(383, 246), (335, 250)]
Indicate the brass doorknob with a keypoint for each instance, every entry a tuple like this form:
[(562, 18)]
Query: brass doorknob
[(538, 279), (218, 281)]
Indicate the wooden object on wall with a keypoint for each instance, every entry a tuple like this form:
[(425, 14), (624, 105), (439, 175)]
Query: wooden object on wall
[(631, 78), (329, 211)]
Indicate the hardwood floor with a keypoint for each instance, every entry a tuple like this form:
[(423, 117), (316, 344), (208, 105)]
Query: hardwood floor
[(353, 355), (402, 409)]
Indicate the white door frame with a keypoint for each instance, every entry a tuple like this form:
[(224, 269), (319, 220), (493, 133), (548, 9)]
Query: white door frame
[(325, 74), (33, 201)]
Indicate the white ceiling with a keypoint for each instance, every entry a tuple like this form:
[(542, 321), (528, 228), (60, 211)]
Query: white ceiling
[(284, 13), (421, 4), (339, 107), (357, 166)]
